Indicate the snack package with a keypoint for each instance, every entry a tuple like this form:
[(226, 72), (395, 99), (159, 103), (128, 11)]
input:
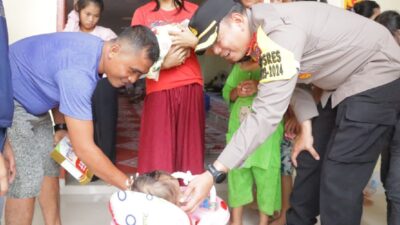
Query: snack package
[(64, 155)]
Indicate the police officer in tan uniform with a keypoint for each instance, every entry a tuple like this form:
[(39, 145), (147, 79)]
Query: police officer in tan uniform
[(355, 61)]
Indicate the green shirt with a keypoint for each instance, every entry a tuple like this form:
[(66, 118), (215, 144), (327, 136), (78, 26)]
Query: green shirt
[(267, 154)]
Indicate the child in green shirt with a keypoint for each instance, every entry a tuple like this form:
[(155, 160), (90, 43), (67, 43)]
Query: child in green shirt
[(262, 168)]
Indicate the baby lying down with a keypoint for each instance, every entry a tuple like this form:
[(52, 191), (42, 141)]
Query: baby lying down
[(154, 200)]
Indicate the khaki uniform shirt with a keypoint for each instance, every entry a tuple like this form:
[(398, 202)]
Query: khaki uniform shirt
[(311, 43)]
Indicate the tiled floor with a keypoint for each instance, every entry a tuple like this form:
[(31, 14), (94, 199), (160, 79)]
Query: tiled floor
[(129, 126)]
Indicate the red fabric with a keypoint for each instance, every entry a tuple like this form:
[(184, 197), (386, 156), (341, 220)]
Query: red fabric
[(172, 131), (254, 51), (187, 73)]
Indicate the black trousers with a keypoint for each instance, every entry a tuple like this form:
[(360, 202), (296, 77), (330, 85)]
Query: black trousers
[(349, 139), (390, 176), (105, 115)]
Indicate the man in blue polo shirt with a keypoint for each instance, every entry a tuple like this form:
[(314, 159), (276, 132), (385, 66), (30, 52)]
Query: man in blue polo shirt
[(59, 71)]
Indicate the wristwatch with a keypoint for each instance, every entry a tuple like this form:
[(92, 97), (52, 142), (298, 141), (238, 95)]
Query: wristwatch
[(219, 176), (60, 126)]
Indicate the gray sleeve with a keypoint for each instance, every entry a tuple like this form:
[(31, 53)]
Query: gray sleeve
[(267, 111), (303, 104)]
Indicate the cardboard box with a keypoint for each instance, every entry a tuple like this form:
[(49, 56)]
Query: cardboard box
[(64, 155)]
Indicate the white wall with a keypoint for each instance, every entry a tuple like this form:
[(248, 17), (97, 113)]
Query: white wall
[(389, 4), (385, 4), (29, 17), (213, 65)]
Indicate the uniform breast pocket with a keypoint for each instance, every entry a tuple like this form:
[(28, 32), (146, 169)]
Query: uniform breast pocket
[(363, 130), (307, 71)]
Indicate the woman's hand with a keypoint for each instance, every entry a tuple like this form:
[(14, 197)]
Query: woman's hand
[(183, 38), (176, 56)]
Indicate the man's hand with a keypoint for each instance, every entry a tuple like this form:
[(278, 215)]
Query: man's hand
[(58, 135), (303, 142), (197, 191), (10, 161), (7, 168), (3, 176), (81, 136), (200, 187), (175, 57)]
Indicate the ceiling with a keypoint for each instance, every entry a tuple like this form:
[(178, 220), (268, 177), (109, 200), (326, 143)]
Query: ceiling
[(117, 14)]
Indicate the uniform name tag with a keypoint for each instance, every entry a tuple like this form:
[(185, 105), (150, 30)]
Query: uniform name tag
[(276, 62)]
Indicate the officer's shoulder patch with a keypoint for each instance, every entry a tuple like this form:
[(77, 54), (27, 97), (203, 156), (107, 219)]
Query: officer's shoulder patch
[(276, 62)]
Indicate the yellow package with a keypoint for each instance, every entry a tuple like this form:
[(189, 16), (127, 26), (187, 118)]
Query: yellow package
[(64, 155)]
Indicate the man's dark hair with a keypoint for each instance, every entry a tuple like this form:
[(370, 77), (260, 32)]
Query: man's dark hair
[(365, 8), (238, 7), (390, 19), (139, 37)]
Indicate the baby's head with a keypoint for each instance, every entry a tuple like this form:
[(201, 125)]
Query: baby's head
[(158, 183)]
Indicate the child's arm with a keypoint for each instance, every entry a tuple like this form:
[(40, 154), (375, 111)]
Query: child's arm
[(292, 126), (234, 93)]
